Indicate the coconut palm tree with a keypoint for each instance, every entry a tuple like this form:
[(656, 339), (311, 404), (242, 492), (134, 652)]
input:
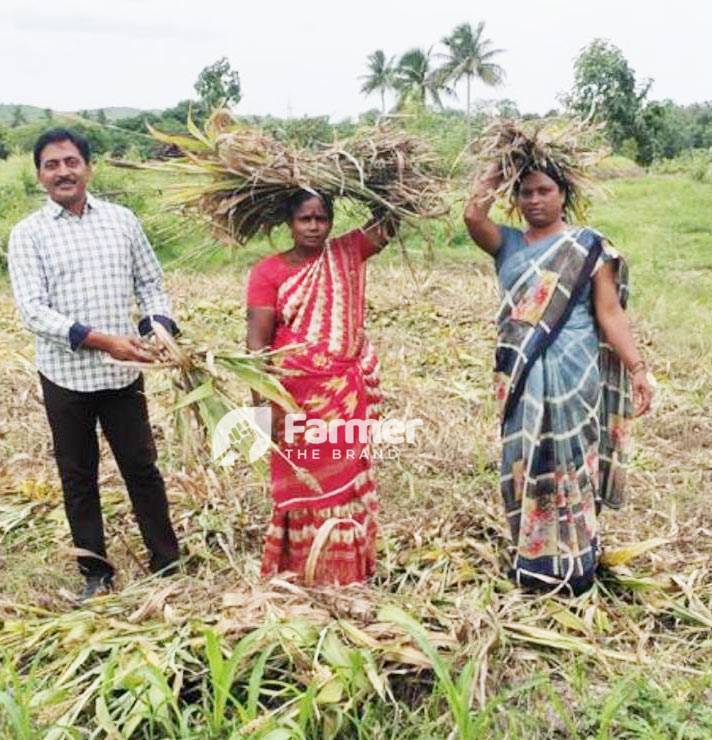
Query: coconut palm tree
[(415, 78), (379, 77), (470, 55)]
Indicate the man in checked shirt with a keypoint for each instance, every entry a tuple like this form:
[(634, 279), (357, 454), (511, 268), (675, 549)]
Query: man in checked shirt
[(76, 266)]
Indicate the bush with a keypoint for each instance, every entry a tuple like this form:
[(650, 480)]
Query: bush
[(616, 165), (4, 146), (19, 194), (695, 163)]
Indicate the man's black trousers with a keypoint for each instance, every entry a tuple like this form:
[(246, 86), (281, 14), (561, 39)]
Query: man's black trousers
[(123, 416)]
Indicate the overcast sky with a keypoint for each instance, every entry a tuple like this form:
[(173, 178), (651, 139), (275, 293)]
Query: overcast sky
[(304, 58)]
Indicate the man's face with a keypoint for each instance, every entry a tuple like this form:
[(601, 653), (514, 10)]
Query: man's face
[(64, 174)]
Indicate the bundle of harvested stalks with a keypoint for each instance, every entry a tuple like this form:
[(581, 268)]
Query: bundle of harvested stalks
[(566, 150), (241, 178), (202, 392)]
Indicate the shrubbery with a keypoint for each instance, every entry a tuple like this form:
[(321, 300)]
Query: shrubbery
[(696, 163)]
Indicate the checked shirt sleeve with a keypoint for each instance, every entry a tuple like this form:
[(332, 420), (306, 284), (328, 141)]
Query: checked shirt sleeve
[(29, 286), (148, 277)]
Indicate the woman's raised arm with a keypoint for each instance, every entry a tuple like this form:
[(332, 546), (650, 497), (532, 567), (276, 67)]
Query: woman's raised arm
[(379, 231), (484, 232)]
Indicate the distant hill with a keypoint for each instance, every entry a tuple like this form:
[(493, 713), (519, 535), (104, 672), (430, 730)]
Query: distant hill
[(33, 113)]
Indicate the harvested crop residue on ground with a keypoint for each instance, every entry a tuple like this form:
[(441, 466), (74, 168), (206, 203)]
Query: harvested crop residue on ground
[(440, 639)]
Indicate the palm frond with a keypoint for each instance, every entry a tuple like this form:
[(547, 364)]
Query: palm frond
[(470, 55)]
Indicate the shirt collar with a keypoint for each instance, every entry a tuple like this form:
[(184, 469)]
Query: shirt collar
[(56, 210)]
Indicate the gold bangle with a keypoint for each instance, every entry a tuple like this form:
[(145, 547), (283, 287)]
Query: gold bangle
[(640, 365)]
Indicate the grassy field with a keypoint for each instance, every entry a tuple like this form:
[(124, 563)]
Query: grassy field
[(440, 645)]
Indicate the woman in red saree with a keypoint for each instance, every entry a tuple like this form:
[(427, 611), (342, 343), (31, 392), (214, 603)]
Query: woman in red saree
[(323, 525)]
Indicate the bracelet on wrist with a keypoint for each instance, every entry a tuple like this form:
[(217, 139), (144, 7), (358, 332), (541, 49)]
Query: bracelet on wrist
[(637, 367)]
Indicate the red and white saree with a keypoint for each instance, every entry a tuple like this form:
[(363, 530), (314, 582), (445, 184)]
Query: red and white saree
[(326, 535)]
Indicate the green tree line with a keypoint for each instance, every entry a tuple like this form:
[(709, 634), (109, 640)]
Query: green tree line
[(419, 82)]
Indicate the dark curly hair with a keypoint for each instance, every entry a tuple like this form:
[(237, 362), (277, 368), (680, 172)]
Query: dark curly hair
[(299, 197), (551, 170), (56, 135)]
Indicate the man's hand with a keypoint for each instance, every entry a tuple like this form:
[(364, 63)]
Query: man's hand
[(119, 347), (129, 348)]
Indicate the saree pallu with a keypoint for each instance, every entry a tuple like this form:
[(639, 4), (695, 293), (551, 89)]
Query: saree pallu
[(565, 408), (323, 523)]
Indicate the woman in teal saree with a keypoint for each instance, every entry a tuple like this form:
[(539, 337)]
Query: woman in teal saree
[(566, 367)]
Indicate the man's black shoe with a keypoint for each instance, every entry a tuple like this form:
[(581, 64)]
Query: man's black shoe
[(96, 586), (166, 567)]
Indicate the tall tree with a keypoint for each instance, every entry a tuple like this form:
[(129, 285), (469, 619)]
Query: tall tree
[(101, 117), (48, 114), (664, 130), (379, 77), (507, 108), (415, 79), (470, 55), (605, 89), (18, 116), (218, 84)]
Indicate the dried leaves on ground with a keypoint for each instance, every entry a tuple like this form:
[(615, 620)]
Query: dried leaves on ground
[(440, 632)]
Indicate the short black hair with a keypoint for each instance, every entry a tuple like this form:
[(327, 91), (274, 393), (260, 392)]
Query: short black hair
[(54, 136), (298, 197)]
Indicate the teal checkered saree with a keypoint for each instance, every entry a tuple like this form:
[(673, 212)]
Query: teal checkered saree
[(565, 405)]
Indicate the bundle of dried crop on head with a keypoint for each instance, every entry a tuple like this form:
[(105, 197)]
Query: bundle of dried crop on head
[(566, 149), (241, 178)]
